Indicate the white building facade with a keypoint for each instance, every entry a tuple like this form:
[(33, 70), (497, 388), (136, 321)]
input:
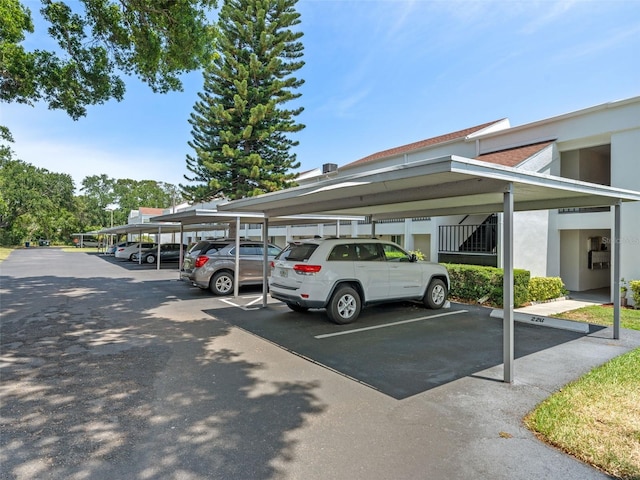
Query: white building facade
[(600, 144)]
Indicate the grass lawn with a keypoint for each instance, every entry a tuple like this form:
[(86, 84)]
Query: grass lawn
[(603, 315), (83, 249), (597, 418), (4, 252)]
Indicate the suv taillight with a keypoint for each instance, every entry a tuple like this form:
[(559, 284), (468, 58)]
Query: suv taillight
[(304, 269), (201, 260)]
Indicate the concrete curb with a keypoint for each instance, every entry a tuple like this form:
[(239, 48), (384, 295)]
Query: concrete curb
[(544, 321)]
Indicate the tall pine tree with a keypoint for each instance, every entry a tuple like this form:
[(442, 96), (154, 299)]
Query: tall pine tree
[(240, 126)]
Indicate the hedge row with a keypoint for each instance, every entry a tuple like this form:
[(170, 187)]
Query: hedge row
[(473, 283), (546, 288), (634, 285)]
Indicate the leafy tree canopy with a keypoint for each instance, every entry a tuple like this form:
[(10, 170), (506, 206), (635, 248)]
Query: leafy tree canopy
[(99, 192), (98, 40), (34, 202)]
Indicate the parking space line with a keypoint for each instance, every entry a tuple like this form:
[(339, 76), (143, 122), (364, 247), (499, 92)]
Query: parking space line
[(230, 302), (385, 325), (256, 300), (243, 307)]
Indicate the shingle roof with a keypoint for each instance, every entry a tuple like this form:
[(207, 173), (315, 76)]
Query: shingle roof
[(151, 211), (420, 144), (511, 157)]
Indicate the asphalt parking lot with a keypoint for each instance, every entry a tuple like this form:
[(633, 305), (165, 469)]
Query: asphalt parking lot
[(115, 370), (399, 349)]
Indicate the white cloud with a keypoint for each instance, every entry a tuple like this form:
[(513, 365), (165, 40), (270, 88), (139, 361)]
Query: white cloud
[(82, 160), (601, 42), (345, 106), (552, 11)]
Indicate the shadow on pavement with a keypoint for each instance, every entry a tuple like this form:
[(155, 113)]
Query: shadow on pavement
[(98, 383), (134, 266)]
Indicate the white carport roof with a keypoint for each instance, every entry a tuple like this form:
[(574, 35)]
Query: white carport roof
[(146, 227), (448, 186), (204, 219), (442, 186), (206, 216), (207, 220), (197, 219)]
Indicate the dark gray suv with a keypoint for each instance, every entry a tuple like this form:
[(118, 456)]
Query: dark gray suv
[(211, 264)]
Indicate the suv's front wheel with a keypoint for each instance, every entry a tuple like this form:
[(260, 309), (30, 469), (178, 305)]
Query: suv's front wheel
[(436, 294), (221, 283), (344, 306)]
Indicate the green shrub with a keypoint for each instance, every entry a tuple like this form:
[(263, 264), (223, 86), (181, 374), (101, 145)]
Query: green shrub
[(521, 280), (419, 255), (471, 283), (546, 288), (634, 285)]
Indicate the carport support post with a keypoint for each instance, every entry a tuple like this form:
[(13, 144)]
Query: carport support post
[(265, 260), (507, 300), (182, 252), (158, 249), (617, 224), (236, 276)]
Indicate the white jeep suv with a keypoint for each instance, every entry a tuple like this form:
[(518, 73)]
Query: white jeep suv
[(345, 274)]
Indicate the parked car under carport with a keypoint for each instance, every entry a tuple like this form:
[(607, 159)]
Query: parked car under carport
[(168, 252)]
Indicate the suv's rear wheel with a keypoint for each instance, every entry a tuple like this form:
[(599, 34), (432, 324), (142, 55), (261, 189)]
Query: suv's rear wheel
[(436, 294), (344, 306), (221, 283)]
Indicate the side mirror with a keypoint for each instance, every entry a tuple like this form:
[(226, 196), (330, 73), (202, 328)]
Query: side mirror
[(413, 258)]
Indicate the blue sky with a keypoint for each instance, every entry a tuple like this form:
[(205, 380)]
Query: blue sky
[(378, 74)]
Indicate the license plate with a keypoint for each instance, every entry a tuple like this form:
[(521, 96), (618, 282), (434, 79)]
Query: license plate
[(284, 273)]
